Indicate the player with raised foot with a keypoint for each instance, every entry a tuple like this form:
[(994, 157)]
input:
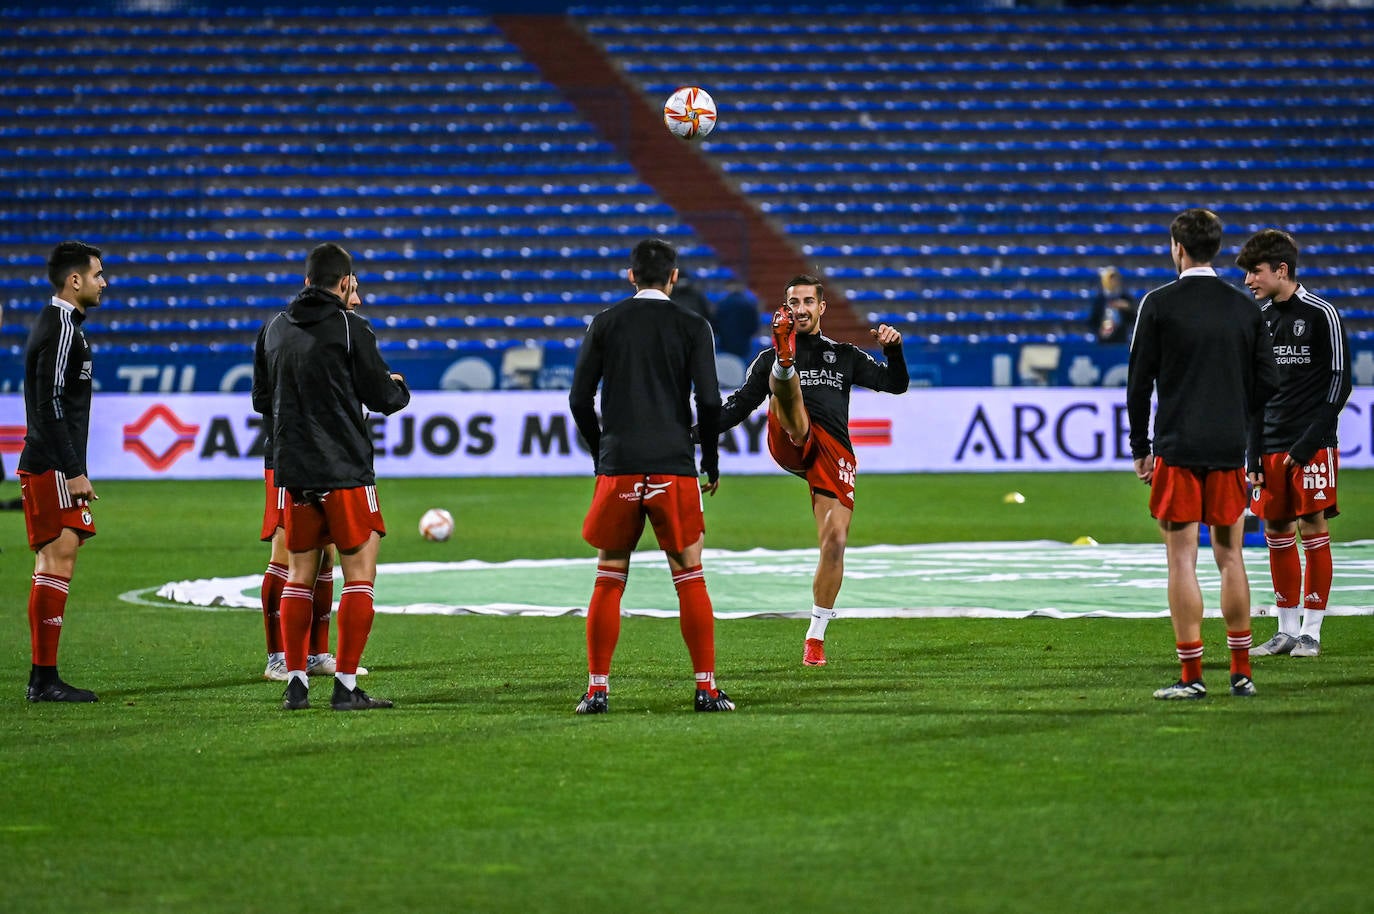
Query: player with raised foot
[(809, 378)]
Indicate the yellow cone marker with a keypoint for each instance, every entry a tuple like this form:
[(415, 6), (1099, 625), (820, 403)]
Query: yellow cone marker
[(1085, 541)]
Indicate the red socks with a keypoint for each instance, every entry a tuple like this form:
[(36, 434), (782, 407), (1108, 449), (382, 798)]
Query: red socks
[(355, 624), (1316, 580), (1190, 655), (323, 605), (695, 619), (47, 601), (297, 610), (1239, 645), (603, 620), (698, 624), (1285, 568), (273, 580)]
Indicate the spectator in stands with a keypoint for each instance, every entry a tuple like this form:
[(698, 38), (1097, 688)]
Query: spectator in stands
[(686, 292), (1202, 348), (737, 322), (1112, 318)]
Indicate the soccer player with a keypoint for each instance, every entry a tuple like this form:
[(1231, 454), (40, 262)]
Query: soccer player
[(320, 659), (649, 356), (1201, 346), (316, 368), (53, 483), (1293, 453), (809, 377)]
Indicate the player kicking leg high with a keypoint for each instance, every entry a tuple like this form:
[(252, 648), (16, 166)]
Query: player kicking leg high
[(807, 377)]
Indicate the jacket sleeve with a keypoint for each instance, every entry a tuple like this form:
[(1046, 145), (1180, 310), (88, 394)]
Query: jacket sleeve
[(1142, 369), (262, 382), (1327, 413), (1266, 385), (582, 396), (891, 377), (751, 393), (706, 386), (372, 379)]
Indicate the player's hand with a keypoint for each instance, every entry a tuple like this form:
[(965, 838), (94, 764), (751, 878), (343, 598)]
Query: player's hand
[(1256, 479), (887, 335), (397, 376), (1288, 460), (710, 486), (80, 489), (1144, 468)]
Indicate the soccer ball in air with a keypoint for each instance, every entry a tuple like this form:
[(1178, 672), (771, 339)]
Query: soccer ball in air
[(690, 113), (436, 525)]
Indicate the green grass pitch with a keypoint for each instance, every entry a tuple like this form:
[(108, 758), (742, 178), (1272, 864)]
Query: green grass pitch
[(935, 765)]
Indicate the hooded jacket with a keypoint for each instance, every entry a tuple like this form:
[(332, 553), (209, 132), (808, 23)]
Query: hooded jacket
[(316, 368)]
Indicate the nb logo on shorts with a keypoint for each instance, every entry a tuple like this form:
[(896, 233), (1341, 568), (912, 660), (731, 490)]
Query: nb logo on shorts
[(647, 490)]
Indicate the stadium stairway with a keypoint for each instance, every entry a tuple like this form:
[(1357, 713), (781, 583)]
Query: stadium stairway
[(720, 214)]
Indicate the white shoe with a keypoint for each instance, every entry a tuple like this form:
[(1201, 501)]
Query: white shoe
[(1279, 644), (276, 671), (1307, 646), (326, 665)]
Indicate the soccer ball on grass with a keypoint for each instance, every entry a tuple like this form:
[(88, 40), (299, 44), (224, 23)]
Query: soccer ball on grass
[(436, 525)]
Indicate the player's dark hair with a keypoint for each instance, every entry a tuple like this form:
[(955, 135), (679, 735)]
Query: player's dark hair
[(1269, 246), (806, 279), (67, 258), (328, 264), (1199, 231), (653, 262)]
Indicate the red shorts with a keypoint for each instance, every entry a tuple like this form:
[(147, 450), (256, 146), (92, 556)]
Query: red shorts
[(615, 520), (49, 509), (821, 460), (344, 517), (1186, 495), (274, 507), (1297, 491)]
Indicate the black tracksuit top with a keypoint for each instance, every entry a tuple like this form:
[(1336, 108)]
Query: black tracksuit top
[(316, 368), (1201, 345), (650, 356)]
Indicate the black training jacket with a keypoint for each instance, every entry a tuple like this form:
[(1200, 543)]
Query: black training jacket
[(1314, 378), (1201, 346), (649, 355), (57, 392), (316, 368)]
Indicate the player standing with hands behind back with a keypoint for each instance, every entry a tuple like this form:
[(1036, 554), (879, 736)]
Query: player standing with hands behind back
[(1293, 455), (1202, 347), (648, 355), (56, 492)]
